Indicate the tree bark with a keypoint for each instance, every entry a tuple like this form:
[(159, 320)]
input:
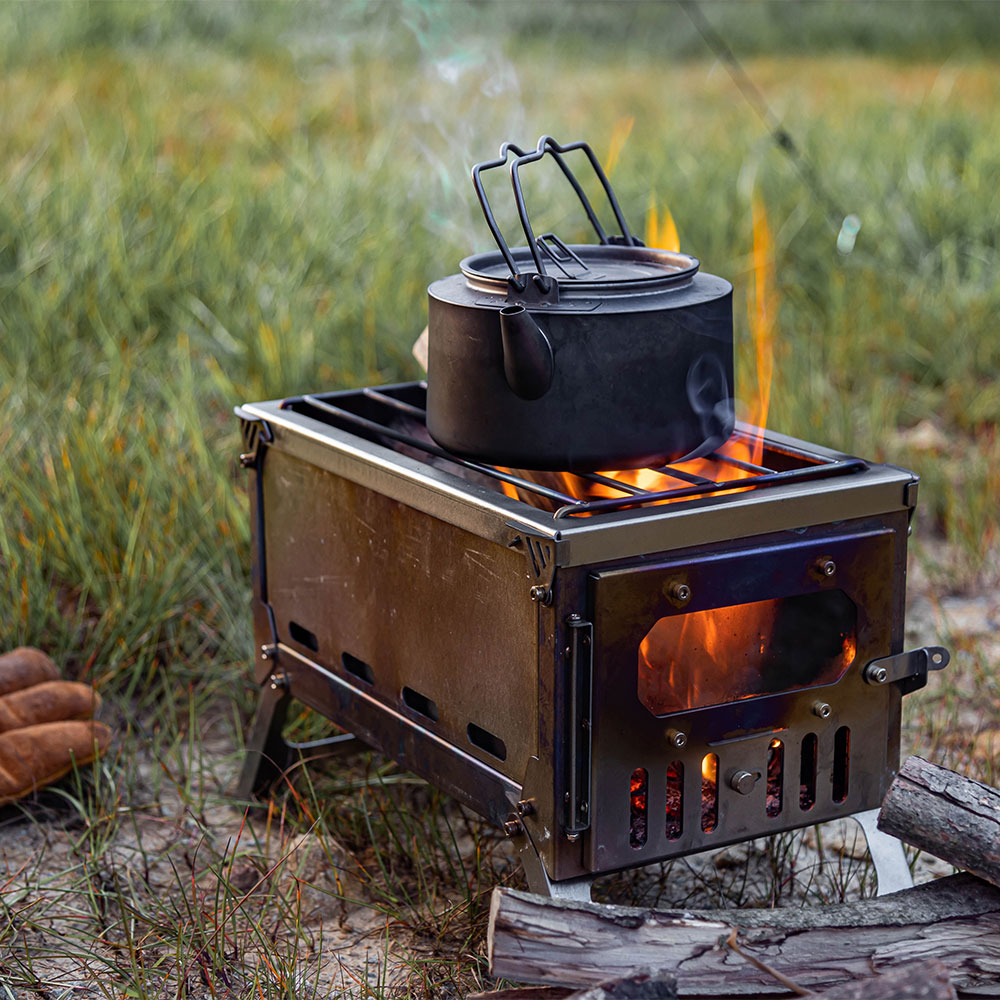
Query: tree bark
[(950, 816), (918, 981), (736, 952)]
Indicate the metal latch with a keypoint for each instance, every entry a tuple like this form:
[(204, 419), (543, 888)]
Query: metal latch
[(909, 668), (580, 635)]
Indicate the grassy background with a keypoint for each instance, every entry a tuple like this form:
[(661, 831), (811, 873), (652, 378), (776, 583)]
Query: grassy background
[(203, 204)]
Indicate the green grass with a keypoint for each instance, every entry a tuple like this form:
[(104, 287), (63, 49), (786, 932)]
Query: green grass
[(206, 204)]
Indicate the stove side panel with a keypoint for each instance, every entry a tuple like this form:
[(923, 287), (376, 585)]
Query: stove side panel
[(428, 619)]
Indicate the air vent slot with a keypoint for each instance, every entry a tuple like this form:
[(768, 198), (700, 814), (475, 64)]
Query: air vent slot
[(841, 763), (675, 800), (775, 776), (420, 703), (357, 667), (637, 824), (709, 792), (303, 636), (807, 772), (485, 740)]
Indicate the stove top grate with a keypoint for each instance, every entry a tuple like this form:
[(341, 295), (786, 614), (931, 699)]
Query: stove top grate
[(397, 414)]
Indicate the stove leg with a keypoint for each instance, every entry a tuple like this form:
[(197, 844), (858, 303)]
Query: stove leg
[(267, 753), (538, 878), (891, 869)]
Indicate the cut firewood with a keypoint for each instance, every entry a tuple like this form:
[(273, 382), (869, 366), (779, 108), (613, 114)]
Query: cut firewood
[(955, 920), (946, 814), (916, 981), (645, 985)]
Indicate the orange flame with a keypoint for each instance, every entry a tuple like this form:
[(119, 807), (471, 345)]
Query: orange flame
[(661, 230), (762, 305), (619, 135)]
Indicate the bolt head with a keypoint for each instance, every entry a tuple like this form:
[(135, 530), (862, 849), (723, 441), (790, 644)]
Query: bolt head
[(512, 827), (829, 567), (676, 738), (878, 675), (822, 709), (525, 807)]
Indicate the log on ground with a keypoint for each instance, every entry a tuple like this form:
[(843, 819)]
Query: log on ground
[(946, 814), (955, 920)]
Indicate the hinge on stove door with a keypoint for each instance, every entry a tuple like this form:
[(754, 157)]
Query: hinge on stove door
[(908, 669), (579, 652), (540, 553), (253, 430)]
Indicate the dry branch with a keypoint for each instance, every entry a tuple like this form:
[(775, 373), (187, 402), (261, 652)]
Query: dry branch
[(950, 816), (955, 921)]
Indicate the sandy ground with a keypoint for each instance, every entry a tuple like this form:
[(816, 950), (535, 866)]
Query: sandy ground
[(175, 883)]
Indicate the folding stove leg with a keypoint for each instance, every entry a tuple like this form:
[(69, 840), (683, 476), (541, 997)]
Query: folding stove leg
[(267, 753), (891, 869), (534, 868)]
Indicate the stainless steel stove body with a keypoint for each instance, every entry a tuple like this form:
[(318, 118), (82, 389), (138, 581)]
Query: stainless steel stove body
[(621, 681)]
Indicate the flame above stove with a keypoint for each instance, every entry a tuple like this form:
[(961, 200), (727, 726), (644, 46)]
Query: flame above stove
[(762, 308)]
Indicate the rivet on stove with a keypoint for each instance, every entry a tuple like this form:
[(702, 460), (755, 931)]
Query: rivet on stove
[(540, 593), (822, 709), (279, 680), (526, 807), (676, 738), (680, 592), (247, 459)]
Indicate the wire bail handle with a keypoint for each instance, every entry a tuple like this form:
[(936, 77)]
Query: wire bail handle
[(546, 144)]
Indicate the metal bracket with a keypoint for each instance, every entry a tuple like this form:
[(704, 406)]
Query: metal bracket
[(579, 652), (909, 669), (534, 868), (888, 858), (540, 553), (253, 430)]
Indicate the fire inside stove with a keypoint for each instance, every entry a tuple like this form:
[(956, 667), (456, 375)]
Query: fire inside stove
[(721, 655)]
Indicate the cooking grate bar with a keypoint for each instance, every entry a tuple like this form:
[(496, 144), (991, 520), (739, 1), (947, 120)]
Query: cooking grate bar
[(686, 477), (417, 412), (760, 470), (381, 430), (381, 404), (603, 506), (596, 477)]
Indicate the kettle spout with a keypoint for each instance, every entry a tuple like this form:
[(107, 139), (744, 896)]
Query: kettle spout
[(527, 353)]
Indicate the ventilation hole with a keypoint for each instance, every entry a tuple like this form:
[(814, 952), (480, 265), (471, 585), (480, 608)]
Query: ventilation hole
[(675, 800), (841, 763), (637, 808), (420, 703), (359, 668), (775, 776), (478, 737), (303, 636), (807, 772), (709, 792)]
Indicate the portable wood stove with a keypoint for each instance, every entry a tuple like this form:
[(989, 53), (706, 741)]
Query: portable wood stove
[(614, 674)]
